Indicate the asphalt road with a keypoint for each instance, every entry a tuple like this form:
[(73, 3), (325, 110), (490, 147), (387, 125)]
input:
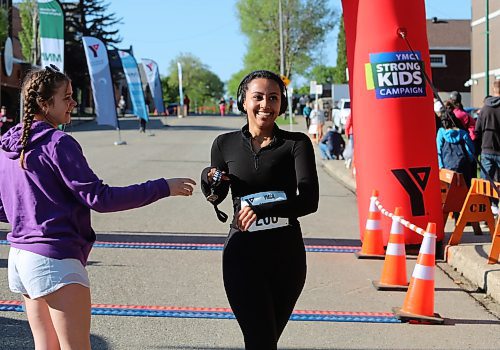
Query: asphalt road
[(181, 279)]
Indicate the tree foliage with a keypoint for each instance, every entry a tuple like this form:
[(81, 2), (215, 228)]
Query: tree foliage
[(322, 74), (4, 29), (27, 10), (305, 26), (340, 76), (198, 81)]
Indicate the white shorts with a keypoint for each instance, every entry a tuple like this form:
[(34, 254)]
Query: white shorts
[(36, 275)]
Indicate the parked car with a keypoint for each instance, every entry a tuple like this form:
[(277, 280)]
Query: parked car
[(341, 112)]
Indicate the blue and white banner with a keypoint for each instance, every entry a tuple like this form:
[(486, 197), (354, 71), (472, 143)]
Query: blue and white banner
[(100, 78), (154, 82), (134, 85)]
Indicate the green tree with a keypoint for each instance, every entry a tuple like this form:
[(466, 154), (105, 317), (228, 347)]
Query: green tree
[(322, 74), (305, 26), (4, 29), (27, 10), (198, 81), (234, 82), (340, 76)]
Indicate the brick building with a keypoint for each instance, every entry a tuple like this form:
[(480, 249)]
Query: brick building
[(11, 85), (450, 54)]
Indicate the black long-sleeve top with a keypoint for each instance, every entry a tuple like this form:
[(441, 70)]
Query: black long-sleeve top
[(287, 164)]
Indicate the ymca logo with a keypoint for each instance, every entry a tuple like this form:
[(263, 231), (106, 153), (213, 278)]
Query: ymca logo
[(414, 181), (150, 66), (94, 49), (51, 57), (395, 74)]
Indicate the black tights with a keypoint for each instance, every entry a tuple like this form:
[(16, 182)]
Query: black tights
[(264, 273)]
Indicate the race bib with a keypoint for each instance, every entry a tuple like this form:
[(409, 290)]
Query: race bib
[(262, 198)]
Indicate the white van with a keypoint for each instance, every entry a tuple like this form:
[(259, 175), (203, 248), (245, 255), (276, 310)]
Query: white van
[(341, 112)]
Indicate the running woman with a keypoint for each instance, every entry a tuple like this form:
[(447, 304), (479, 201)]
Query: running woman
[(273, 181)]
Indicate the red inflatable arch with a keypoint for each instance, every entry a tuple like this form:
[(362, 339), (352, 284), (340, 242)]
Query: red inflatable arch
[(394, 128)]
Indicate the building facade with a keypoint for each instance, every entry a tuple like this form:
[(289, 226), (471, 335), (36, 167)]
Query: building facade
[(479, 48), (10, 86), (450, 55)]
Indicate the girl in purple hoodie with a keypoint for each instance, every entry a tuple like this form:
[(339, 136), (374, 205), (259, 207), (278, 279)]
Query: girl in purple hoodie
[(46, 194)]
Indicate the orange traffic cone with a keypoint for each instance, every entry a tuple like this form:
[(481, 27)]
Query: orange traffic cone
[(394, 270), (419, 302), (373, 243)]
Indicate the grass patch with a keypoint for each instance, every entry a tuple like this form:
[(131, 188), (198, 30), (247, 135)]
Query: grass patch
[(282, 121)]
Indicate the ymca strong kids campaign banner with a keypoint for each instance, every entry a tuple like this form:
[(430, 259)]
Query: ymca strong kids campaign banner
[(394, 126), (395, 74), (100, 79)]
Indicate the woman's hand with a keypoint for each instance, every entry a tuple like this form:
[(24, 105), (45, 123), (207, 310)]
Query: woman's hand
[(181, 186), (211, 174), (246, 217)]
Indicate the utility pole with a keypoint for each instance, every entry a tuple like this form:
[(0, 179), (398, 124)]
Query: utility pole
[(487, 49), (180, 109), (282, 44)]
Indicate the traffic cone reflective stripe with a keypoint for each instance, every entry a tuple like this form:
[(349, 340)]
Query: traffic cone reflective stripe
[(394, 271), (419, 300), (373, 244)]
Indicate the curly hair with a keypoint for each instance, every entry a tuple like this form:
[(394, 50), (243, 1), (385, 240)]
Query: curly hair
[(38, 86), (261, 74)]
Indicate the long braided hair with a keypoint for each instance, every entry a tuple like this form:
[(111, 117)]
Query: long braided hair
[(38, 86)]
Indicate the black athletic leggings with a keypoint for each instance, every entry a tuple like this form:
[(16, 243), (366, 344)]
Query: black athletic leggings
[(264, 273)]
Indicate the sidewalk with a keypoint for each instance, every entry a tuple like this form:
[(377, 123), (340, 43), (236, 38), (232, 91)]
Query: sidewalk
[(468, 259)]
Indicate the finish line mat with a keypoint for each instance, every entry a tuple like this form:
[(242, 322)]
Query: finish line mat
[(203, 246), (219, 313)]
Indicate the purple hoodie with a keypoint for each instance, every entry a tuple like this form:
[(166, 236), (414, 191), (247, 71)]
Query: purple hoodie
[(48, 205)]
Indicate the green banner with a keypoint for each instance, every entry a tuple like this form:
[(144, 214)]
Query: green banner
[(51, 33)]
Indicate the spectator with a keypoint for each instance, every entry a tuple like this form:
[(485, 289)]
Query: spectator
[(307, 114), (349, 150), (454, 147), (332, 144), (231, 103), (438, 110), (458, 109), (122, 105), (319, 116), (302, 104), (5, 122), (47, 193), (222, 106), (488, 136), (186, 104)]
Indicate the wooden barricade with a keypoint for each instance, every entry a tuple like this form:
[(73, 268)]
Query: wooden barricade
[(475, 209), (453, 194)]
